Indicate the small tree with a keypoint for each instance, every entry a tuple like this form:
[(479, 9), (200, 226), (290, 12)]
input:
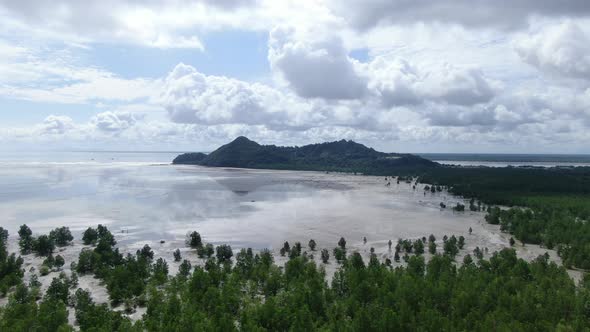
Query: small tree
[(478, 253), (364, 240), (160, 271), (86, 261), (209, 250), (193, 240), (312, 244), (3, 235), (512, 242), (461, 242), (450, 249), (342, 243), (177, 255), (25, 241), (61, 236), (58, 290), (432, 247), (90, 236), (59, 262), (396, 257), (459, 207), (431, 238), (418, 247), (467, 259), (295, 250), (74, 280), (43, 245), (286, 246), (146, 252), (185, 268), (339, 254), (49, 261), (389, 243), (325, 256), (224, 253), (470, 230)]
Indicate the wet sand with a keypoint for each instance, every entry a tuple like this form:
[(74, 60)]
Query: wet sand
[(145, 204)]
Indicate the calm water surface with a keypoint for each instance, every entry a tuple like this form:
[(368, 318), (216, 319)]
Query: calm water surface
[(144, 198)]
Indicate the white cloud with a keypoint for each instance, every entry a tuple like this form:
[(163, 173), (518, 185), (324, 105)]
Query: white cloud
[(114, 121), (56, 125), (503, 14), (400, 83), (562, 49), (317, 69), (53, 76), (378, 71)]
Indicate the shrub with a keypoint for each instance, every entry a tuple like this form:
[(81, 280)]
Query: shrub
[(193, 240), (43, 245), (325, 256), (86, 261), (145, 252), (61, 236), (59, 261), (312, 244), (177, 255), (25, 241), (44, 270), (224, 253), (342, 243), (339, 254), (90, 236), (185, 268)]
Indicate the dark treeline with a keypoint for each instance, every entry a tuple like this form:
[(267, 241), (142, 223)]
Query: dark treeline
[(249, 292), (562, 188), (10, 266), (551, 206), (553, 228)]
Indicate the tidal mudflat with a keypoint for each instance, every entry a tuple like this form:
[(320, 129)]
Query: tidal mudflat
[(157, 204)]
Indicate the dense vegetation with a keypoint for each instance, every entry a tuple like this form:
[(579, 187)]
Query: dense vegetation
[(341, 156), (251, 293), (10, 266), (562, 188), (551, 206)]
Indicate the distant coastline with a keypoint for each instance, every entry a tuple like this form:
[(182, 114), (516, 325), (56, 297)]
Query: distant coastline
[(504, 159)]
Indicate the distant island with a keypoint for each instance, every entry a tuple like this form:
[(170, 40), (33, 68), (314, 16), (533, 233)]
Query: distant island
[(338, 156), (537, 187)]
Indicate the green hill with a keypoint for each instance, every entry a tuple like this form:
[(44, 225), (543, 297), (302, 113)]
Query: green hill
[(341, 156)]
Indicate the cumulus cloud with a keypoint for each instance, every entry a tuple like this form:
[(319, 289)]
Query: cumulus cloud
[(56, 125), (114, 121), (503, 14), (316, 69), (562, 49), (147, 23), (426, 72), (192, 97), (400, 83)]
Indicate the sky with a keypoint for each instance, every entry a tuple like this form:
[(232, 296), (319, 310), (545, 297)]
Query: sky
[(398, 75)]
